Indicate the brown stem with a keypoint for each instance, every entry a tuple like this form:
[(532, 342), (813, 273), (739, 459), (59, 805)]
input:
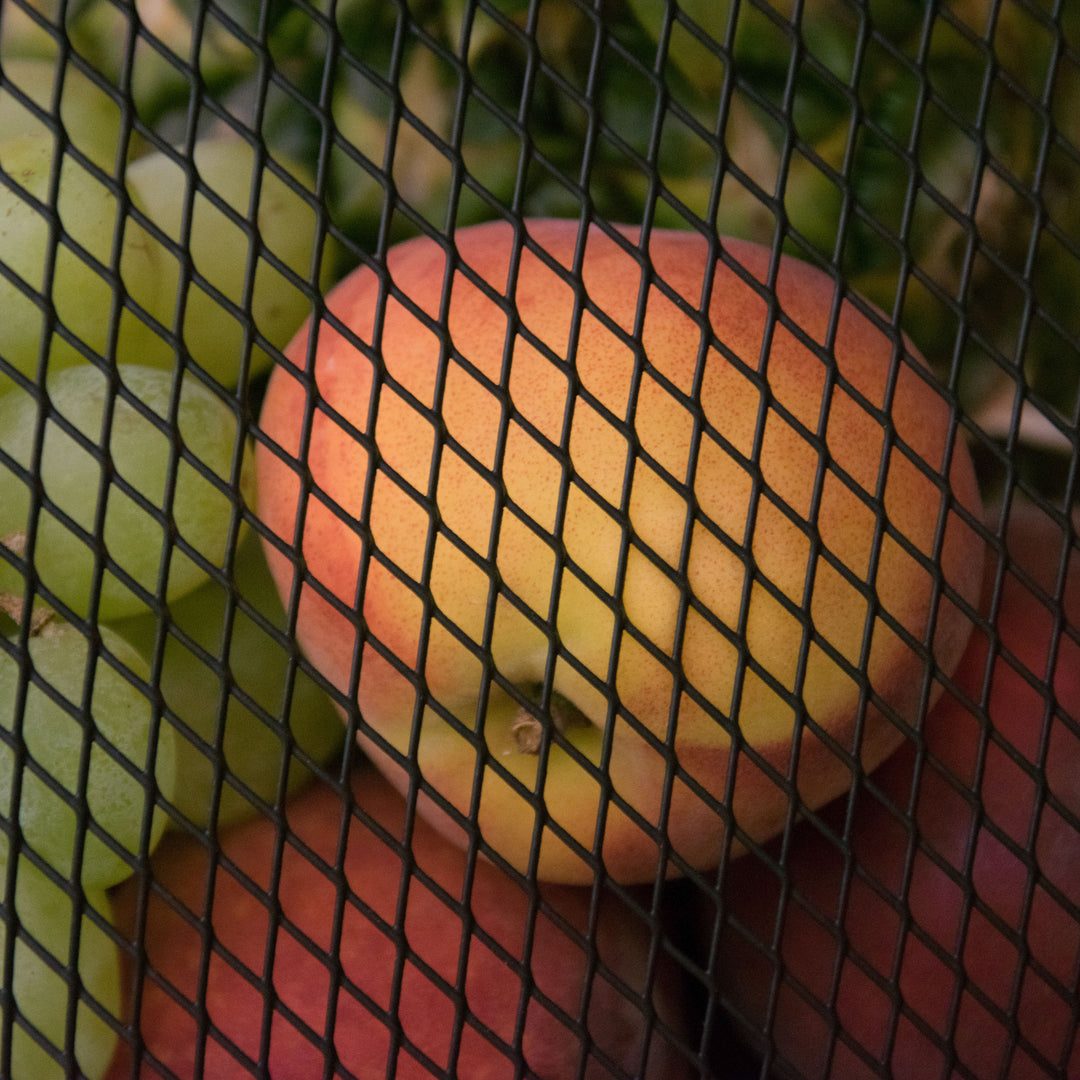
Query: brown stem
[(12, 604), (15, 543), (528, 725)]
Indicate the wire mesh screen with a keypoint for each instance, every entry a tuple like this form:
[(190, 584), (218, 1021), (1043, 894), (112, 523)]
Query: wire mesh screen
[(538, 539)]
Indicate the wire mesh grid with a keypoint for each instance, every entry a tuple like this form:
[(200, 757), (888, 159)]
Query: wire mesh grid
[(204, 876)]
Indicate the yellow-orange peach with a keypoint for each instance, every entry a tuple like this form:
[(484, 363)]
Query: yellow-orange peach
[(622, 581)]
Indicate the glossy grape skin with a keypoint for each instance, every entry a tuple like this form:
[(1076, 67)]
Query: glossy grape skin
[(45, 914), (94, 220), (254, 740), (91, 120), (72, 476), (81, 293), (221, 245), (55, 736)]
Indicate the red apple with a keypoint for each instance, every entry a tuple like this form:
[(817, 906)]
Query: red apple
[(948, 945), (610, 586), (358, 938)]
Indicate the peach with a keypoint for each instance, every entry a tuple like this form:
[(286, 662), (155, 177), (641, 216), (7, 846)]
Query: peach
[(353, 937), (948, 944), (616, 588)]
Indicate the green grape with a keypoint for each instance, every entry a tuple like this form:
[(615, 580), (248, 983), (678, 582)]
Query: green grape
[(23, 35), (140, 452), (221, 248), (42, 991), (57, 735), (81, 294), (253, 741), (92, 120)]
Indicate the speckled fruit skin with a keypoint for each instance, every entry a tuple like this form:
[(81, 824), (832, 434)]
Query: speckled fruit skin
[(381, 928), (963, 893), (690, 566)]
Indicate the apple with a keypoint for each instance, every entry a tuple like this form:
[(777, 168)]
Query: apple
[(948, 944), (340, 936), (615, 592)]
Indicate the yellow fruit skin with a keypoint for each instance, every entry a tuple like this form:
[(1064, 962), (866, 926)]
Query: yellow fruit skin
[(725, 552)]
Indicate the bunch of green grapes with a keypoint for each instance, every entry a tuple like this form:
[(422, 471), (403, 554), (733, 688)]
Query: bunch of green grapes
[(85, 769), (82, 762), (228, 221), (116, 489), (84, 772), (145, 675), (172, 693), (59, 292), (155, 271), (52, 978), (228, 674)]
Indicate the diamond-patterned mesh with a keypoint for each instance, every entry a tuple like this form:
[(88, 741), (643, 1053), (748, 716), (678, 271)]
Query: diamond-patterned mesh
[(182, 182)]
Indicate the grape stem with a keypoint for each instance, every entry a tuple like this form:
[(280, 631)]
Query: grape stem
[(14, 607)]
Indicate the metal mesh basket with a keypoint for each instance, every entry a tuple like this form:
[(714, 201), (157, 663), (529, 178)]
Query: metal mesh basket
[(182, 182)]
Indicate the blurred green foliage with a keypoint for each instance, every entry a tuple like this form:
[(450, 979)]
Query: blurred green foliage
[(930, 153)]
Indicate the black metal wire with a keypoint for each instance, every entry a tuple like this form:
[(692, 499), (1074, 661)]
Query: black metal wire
[(546, 129)]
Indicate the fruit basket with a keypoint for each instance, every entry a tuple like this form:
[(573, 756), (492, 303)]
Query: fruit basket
[(539, 538)]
